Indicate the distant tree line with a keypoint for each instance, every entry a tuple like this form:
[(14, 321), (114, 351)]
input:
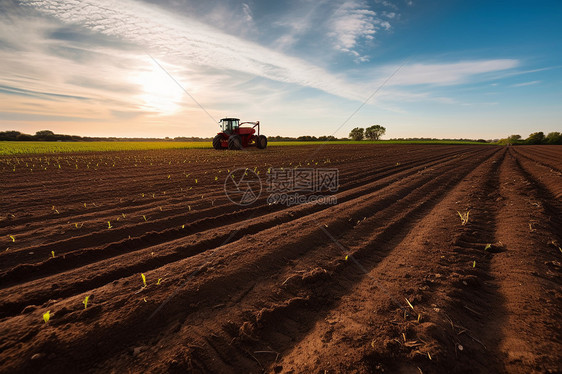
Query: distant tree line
[(535, 138), (49, 136)]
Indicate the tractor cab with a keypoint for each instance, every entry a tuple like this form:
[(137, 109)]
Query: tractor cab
[(229, 125)]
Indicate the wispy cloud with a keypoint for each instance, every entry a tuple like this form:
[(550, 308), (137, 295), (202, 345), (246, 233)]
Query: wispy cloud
[(248, 16), (448, 73), (525, 84), (352, 23)]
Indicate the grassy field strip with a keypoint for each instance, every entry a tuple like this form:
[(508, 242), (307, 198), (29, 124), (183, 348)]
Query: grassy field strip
[(18, 148)]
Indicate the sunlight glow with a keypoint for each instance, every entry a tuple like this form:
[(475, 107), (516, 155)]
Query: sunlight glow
[(159, 92)]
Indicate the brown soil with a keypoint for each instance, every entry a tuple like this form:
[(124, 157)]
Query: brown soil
[(387, 280)]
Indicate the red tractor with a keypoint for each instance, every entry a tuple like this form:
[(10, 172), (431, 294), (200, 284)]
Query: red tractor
[(235, 137)]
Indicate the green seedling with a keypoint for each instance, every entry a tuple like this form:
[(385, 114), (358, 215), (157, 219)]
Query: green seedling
[(195, 180), (85, 302), (13, 238), (143, 279), (144, 218), (410, 304), (47, 316), (488, 246), (159, 281), (346, 257), (464, 217), (123, 215), (53, 254), (183, 226), (108, 224), (473, 264)]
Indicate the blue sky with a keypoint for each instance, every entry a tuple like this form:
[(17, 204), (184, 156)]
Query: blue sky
[(445, 69)]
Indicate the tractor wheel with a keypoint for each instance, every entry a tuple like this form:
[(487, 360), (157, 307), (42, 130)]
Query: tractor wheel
[(234, 142), (217, 142), (261, 142)]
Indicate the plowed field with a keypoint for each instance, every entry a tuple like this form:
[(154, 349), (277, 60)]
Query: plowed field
[(387, 280)]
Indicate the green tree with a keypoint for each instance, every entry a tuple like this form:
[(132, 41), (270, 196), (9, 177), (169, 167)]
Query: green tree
[(357, 133), (44, 133), (553, 138), (374, 132), (536, 138), (514, 139)]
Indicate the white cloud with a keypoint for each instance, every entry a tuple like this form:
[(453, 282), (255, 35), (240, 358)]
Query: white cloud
[(248, 15), (353, 22), (446, 73), (525, 84)]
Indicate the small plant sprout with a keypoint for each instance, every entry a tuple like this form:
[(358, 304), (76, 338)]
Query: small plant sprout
[(85, 302), (346, 257), (409, 304), (143, 279), (195, 180), (144, 298), (47, 316), (183, 226), (473, 264), (13, 238), (123, 215), (216, 178), (108, 224), (144, 218), (53, 254), (159, 281), (429, 356), (464, 217), (488, 246)]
